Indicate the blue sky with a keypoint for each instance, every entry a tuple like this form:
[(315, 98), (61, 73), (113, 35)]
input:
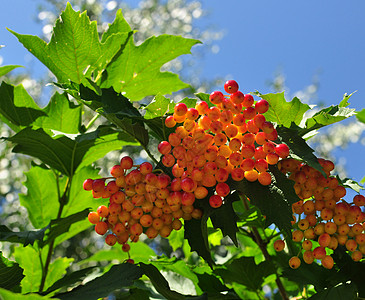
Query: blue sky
[(303, 39)]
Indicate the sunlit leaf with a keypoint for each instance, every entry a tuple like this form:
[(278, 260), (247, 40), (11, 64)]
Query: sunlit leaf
[(360, 115), (41, 199), (62, 115), (136, 70), (74, 51), (282, 112), (6, 69)]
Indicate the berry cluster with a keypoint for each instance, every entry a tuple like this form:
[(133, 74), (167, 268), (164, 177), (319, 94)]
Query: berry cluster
[(211, 143), (140, 200), (323, 215)]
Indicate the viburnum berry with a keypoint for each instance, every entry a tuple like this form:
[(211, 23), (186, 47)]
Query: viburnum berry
[(88, 184), (294, 262), (215, 201), (126, 162), (279, 245), (231, 86)]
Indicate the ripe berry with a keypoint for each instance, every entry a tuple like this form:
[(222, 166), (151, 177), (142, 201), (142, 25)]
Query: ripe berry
[(88, 184), (294, 262), (262, 106), (98, 185), (231, 86), (111, 239), (101, 227), (216, 97), (126, 162), (180, 109), (93, 217), (215, 201), (279, 245)]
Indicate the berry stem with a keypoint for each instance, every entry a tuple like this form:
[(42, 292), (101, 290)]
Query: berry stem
[(263, 247)]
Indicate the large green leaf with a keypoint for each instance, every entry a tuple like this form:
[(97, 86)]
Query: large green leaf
[(41, 199), (64, 154), (17, 108), (22, 237), (282, 112), (245, 271), (8, 295), (136, 70), (118, 277), (10, 273), (74, 51), (62, 115), (6, 69)]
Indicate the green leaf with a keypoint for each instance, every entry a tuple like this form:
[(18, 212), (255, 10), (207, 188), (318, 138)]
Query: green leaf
[(190, 102), (7, 295), (245, 271), (117, 277), (282, 112), (327, 116), (118, 110), (274, 200), (158, 107), (159, 282), (226, 219), (10, 273), (62, 225), (140, 252), (360, 115), (340, 292), (64, 154), (299, 147), (251, 217), (41, 200), (74, 51), (345, 100), (180, 267), (136, 70), (28, 259), (22, 237), (196, 232), (62, 115), (70, 279), (17, 108), (6, 69), (56, 270)]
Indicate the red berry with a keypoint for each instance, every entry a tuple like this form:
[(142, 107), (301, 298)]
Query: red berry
[(88, 184), (98, 185), (262, 106), (231, 86), (180, 109), (282, 150), (164, 147), (248, 100), (215, 201), (126, 162)]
